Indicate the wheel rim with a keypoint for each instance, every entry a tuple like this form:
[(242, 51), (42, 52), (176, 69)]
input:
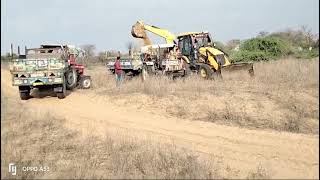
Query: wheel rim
[(203, 73), (86, 83)]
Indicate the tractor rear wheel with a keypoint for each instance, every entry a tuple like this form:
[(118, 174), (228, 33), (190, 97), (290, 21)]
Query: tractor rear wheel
[(206, 71), (71, 79)]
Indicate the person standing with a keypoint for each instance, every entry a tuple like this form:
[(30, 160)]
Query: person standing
[(118, 70)]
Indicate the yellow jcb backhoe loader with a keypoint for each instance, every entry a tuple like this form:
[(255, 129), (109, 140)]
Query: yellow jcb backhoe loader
[(199, 51), (196, 49)]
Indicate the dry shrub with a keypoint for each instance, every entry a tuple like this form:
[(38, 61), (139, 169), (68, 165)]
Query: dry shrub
[(180, 110), (279, 92), (259, 173), (290, 72)]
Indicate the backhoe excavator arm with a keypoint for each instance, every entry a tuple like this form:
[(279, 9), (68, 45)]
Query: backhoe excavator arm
[(138, 31)]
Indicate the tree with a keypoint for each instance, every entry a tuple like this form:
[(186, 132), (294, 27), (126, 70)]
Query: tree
[(307, 32), (316, 43), (102, 56), (262, 34), (130, 47), (233, 43), (89, 50)]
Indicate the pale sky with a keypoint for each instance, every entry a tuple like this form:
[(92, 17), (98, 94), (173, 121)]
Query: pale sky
[(107, 23)]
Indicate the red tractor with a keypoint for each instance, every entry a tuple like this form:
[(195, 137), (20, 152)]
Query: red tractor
[(75, 73)]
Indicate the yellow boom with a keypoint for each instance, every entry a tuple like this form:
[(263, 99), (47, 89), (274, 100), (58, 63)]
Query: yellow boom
[(138, 31)]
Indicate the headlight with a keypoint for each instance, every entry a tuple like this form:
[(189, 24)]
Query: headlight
[(59, 74), (25, 81), (50, 80)]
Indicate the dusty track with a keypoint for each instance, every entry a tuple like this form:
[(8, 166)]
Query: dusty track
[(286, 155)]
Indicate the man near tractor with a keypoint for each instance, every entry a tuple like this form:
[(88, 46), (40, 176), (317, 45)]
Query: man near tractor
[(118, 70)]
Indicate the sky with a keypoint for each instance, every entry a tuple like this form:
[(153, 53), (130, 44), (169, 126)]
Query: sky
[(107, 23)]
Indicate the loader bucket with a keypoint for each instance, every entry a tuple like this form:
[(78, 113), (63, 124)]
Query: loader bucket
[(138, 31), (244, 66)]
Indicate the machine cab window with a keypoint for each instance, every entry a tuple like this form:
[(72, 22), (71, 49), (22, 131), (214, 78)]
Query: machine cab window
[(185, 46), (201, 40)]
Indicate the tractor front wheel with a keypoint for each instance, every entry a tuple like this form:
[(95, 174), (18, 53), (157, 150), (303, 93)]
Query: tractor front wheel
[(85, 82)]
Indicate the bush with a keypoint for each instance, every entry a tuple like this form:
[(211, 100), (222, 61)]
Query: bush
[(222, 47), (271, 46), (243, 56), (306, 54), (261, 49)]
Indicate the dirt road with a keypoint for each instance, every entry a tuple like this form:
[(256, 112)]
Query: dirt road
[(285, 155)]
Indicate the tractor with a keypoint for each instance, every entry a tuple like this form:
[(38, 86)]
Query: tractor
[(48, 67), (75, 74)]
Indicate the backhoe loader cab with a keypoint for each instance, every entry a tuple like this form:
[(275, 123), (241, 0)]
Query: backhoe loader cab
[(190, 45), (199, 51)]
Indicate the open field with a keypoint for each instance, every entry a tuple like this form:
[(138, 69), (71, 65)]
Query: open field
[(238, 127), (283, 96)]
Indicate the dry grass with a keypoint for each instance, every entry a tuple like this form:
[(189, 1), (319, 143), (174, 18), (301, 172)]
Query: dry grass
[(259, 173), (34, 138), (283, 96)]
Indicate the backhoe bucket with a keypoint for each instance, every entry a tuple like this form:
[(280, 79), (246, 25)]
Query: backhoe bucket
[(138, 31), (235, 67)]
